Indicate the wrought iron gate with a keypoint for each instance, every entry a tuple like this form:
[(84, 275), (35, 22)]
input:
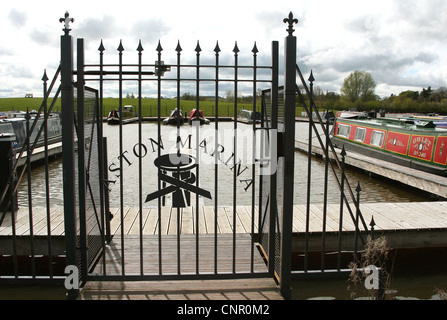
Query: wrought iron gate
[(168, 251), (206, 198)]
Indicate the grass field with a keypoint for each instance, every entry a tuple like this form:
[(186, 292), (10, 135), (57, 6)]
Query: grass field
[(149, 106)]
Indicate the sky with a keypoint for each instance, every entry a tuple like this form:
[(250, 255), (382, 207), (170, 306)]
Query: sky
[(403, 44)]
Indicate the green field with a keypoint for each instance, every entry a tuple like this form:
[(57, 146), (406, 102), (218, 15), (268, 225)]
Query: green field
[(149, 106)]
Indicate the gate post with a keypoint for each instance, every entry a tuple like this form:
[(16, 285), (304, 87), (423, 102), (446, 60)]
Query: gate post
[(68, 155), (289, 159)]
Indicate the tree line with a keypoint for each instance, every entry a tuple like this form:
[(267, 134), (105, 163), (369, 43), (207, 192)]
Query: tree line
[(358, 93)]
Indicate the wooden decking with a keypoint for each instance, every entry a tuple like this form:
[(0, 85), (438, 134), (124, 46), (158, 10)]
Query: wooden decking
[(241, 289), (406, 225), (420, 216)]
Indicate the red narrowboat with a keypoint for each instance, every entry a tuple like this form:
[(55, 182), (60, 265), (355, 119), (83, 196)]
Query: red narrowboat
[(416, 144)]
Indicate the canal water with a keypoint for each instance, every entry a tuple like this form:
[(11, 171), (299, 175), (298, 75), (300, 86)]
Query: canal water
[(202, 147), (374, 189)]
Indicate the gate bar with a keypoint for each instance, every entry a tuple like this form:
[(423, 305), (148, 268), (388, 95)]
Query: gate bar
[(68, 147), (81, 156), (216, 145), (289, 159)]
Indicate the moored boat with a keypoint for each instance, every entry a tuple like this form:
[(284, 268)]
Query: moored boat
[(16, 125), (416, 144), (176, 117), (248, 116), (128, 116), (201, 118)]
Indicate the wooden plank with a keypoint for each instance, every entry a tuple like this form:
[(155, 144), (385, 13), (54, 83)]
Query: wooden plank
[(175, 221), (151, 224), (130, 218), (300, 213), (187, 221), (116, 220), (245, 218), (382, 223), (385, 220), (222, 219), (22, 218), (208, 211), (56, 218), (334, 213), (238, 228), (422, 221), (427, 212), (187, 247), (331, 225), (298, 225), (200, 217), (244, 289), (165, 219), (135, 228)]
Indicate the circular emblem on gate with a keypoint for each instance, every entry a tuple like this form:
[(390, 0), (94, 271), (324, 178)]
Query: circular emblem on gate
[(179, 181)]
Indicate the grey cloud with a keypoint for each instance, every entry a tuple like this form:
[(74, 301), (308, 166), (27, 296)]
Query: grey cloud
[(17, 18), (5, 51), (18, 71), (44, 37), (150, 30), (96, 28)]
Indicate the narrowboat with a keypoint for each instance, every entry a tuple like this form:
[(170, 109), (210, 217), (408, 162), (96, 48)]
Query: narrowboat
[(201, 118), (416, 144), (176, 117), (128, 116), (439, 121), (248, 116), (16, 125)]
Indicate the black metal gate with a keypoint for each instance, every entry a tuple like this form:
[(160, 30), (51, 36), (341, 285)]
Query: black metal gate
[(186, 184), (206, 200)]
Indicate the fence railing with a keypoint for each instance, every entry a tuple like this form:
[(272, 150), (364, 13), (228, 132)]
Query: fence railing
[(25, 253), (348, 198)]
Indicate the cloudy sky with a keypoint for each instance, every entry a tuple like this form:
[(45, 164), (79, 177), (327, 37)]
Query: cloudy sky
[(402, 43)]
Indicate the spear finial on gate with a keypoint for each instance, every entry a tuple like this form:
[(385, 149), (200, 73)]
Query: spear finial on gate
[(45, 77), (178, 48), (66, 20), (101, 47), (198, 49), (255, 49), (236, 48), (217, 48), (140, 47), (290, 20)]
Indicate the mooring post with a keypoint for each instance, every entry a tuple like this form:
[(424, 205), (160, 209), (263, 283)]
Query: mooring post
[(289, 159), (68, 148)]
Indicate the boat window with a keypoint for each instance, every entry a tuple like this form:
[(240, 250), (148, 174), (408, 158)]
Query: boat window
[(377, 138), (343, 130), (360, 134)]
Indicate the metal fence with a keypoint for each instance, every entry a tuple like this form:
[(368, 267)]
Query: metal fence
[(31, 249), (99, 244), (143, 256)]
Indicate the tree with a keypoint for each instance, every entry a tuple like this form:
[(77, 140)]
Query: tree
[(359, 85), (426, 93)]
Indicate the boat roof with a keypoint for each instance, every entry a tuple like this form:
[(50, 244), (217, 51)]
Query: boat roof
[(402, 123)]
